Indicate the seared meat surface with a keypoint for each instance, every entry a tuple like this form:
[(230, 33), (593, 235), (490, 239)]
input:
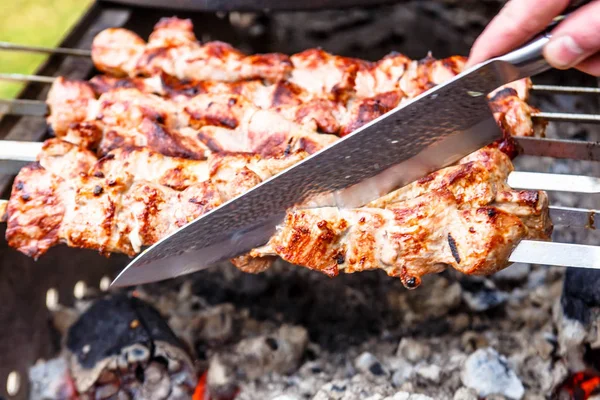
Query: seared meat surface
[(173, 49), (128, 199), (464, 216)]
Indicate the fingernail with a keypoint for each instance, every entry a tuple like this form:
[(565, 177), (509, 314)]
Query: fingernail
[(563, 52)]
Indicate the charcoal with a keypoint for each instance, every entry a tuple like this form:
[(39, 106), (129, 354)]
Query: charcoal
[(121, 346)]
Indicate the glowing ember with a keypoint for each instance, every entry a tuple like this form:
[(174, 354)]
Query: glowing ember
[(580, 386), (201, 392)]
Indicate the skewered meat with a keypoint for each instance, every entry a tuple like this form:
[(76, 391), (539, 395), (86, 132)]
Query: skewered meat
[(463, 216), (128, 199), (322, 93), (173, 49), (324, 89), (220, 121), (191, 128)]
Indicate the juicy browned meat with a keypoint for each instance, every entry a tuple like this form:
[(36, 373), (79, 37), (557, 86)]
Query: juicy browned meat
[(464, 217), (173, 49), (174, 102), (128, 199), (190, 128)]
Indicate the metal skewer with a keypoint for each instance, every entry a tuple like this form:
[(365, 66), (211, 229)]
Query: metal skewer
[(45, 50), (566, 89), (568, 117), (27, 78), (34, 108)]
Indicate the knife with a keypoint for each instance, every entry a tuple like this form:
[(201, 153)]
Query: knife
[(418, 137)]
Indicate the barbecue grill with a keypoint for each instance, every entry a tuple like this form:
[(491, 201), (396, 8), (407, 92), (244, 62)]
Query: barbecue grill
[(28, 288)]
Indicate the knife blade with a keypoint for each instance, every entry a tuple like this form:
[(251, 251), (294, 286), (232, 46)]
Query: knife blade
[(427, 133)]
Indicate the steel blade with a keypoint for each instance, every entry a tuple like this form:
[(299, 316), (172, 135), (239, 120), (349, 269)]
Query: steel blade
[(429, 132), (560, 148), (557, 254), (573, 217), (23, 107), (553, 182)]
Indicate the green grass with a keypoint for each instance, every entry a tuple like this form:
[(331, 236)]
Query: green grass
[(33, 22)]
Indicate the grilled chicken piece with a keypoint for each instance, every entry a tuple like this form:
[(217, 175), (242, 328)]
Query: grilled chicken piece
[(173, 49), (464, 217), (128, 199)]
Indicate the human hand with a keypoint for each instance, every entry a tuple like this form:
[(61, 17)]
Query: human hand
[(575, 42)]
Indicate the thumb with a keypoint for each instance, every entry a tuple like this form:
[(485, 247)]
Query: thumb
[(576, 38)]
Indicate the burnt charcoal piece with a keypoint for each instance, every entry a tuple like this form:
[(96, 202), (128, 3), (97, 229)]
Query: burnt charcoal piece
[(122, 345), (580, 293), (578, 318)]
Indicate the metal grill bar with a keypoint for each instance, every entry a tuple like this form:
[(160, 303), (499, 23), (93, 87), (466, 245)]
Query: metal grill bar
[(45, 50), (560, 148), (566, 89)]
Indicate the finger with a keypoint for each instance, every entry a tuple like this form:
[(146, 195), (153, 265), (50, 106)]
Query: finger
[(517, 22), (576, 38), (590, 65)]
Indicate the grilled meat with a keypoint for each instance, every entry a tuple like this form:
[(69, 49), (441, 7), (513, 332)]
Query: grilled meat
[(191, 128), (268, 120), (318, 95), (173, 49), (463, 216), (128, 199), (174, 103)]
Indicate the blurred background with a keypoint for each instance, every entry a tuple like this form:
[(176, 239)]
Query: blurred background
[(33, 22)]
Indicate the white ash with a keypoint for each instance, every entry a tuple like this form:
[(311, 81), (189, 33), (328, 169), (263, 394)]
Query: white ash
[(419, 346), (359, 336), (51, 380), (489, 373)]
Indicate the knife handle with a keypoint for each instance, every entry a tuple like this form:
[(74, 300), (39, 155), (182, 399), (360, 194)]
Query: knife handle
[(529, 59)]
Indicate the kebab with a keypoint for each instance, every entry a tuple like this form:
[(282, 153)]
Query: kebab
[(216, 122), (192, 128), (324, 92), (119, 204), (128, 199)]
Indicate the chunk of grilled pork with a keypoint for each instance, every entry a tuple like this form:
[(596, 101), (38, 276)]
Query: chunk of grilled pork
[(191, 128), (464, 217)]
